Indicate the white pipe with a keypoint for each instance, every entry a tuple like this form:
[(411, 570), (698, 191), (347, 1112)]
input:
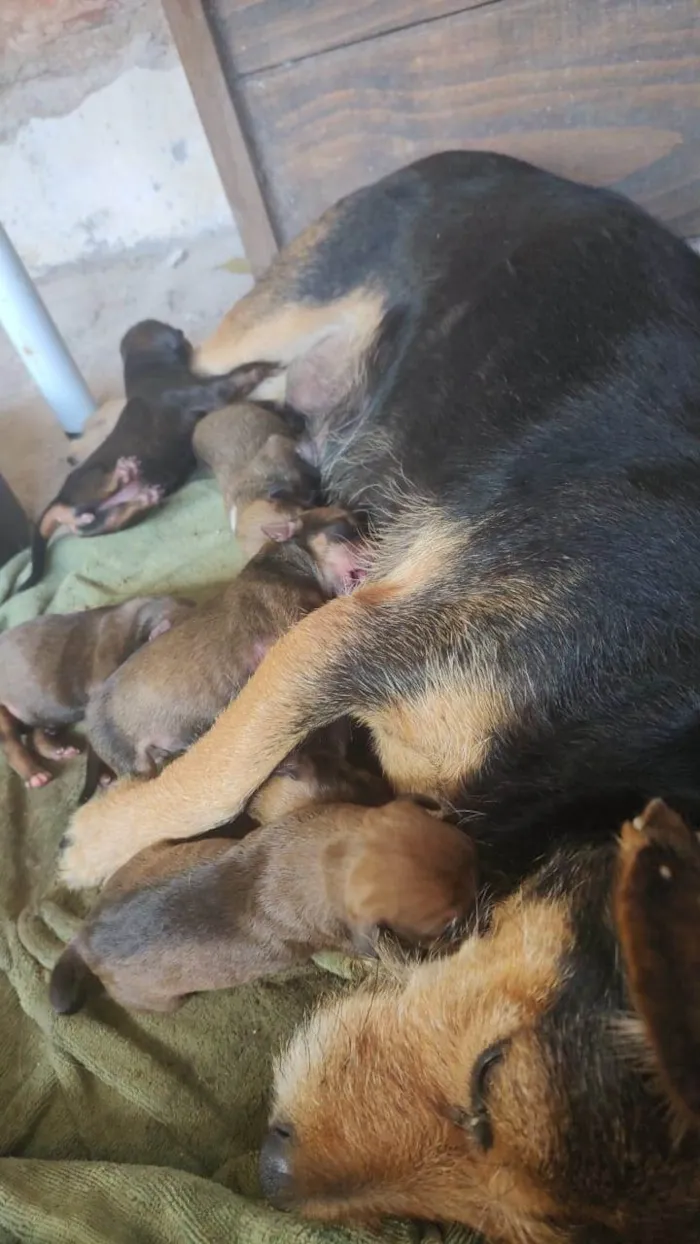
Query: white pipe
[(39, 343)]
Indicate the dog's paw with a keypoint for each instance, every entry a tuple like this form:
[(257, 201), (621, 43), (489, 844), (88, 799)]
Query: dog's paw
[(88, 854)]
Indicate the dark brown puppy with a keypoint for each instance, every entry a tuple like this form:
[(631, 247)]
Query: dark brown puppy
[(185, 918), (162, 699), (49, 668), (254, 458), (148, 454)]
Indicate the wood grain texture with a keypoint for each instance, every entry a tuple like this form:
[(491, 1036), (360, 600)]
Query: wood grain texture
[(224, 129), (607, 92), (261, 33)]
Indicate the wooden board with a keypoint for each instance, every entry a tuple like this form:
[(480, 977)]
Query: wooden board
[(260, 34), (330, 96)]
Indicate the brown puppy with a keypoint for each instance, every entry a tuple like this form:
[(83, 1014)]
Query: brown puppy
[(158, 703), (49, 668), (253, 455), (184, 918)]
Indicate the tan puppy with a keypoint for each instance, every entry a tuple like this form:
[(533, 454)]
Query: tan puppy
[(254, 458), (49, 668), (189, 917), (160, 701)]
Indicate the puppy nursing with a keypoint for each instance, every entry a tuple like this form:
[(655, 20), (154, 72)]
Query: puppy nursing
[(50, 667), (183, 918), (257, 466), (148, 454), (163, 698)]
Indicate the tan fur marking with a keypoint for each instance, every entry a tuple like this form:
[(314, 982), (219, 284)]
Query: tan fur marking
[(265, 330), (432, 744), (401, 1058)]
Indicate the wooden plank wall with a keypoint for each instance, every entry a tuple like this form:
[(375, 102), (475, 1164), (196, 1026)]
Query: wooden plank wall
[(328, 96)]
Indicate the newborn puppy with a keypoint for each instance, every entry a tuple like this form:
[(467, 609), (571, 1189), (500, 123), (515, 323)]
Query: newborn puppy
[(254, 458), (160, 700), (49, 668), (148, 454), (184, 918)]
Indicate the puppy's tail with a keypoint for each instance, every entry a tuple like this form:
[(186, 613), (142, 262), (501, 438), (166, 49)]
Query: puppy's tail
[(93, 768), (70, 979), (50, 520), (36, 573)]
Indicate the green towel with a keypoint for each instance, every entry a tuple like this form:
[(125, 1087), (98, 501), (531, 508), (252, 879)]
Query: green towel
[(116, 1126)]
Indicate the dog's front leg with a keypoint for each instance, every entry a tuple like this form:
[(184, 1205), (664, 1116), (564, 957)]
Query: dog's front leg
[(290, 695)]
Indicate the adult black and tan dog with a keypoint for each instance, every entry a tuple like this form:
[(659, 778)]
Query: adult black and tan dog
[(502, 368), (148, 454)]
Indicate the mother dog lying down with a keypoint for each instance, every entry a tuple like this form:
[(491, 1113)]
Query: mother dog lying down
[(502, 369)]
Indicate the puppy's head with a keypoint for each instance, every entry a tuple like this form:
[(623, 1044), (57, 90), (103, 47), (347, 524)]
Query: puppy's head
[(333, 538), (410, 873), (317, 773), (156, 340), (152, 616), (251, 523)]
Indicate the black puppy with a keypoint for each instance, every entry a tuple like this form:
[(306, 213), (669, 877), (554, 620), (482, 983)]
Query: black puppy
[(148, 454)]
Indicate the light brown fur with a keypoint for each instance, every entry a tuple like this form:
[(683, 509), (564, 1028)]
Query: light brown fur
[(50, 667), (382, 1106), (327, 875), (408, 1050), (163, 698), (252, 453)]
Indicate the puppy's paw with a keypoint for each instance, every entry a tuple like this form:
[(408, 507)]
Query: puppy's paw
[(127, 471), (38, 779)]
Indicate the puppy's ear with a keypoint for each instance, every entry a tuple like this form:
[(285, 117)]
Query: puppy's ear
[(290, 767), (657, 913), (283, 530), (365, 939), (160, 628)]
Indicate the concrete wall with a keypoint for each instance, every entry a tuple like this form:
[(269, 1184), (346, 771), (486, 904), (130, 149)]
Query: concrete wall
[(101, 148)]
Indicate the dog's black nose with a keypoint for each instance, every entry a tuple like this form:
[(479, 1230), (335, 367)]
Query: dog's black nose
[(276, 1159)]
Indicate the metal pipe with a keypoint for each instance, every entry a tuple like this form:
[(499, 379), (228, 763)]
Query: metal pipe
[(39, 343)]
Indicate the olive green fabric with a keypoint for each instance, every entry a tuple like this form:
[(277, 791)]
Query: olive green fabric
[(116, 1126)]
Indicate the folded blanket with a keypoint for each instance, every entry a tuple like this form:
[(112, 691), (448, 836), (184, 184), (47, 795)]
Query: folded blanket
[(116, 1126)]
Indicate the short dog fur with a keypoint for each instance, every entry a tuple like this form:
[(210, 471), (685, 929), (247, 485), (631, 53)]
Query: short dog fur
[(50, 667), (502, 369), (184, 918), (148, 454), (254, 458), (157, 703), (539, 1086)]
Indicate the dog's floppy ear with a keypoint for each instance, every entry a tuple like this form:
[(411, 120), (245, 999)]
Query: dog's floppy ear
[(657, 912), (283, 530)]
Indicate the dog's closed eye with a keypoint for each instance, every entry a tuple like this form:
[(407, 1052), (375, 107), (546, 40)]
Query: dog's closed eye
[(476, 1119)]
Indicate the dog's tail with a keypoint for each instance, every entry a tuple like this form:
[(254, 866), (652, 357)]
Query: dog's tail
[(70, 980)]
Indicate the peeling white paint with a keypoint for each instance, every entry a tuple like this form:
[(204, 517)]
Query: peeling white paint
[(129, 166)]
